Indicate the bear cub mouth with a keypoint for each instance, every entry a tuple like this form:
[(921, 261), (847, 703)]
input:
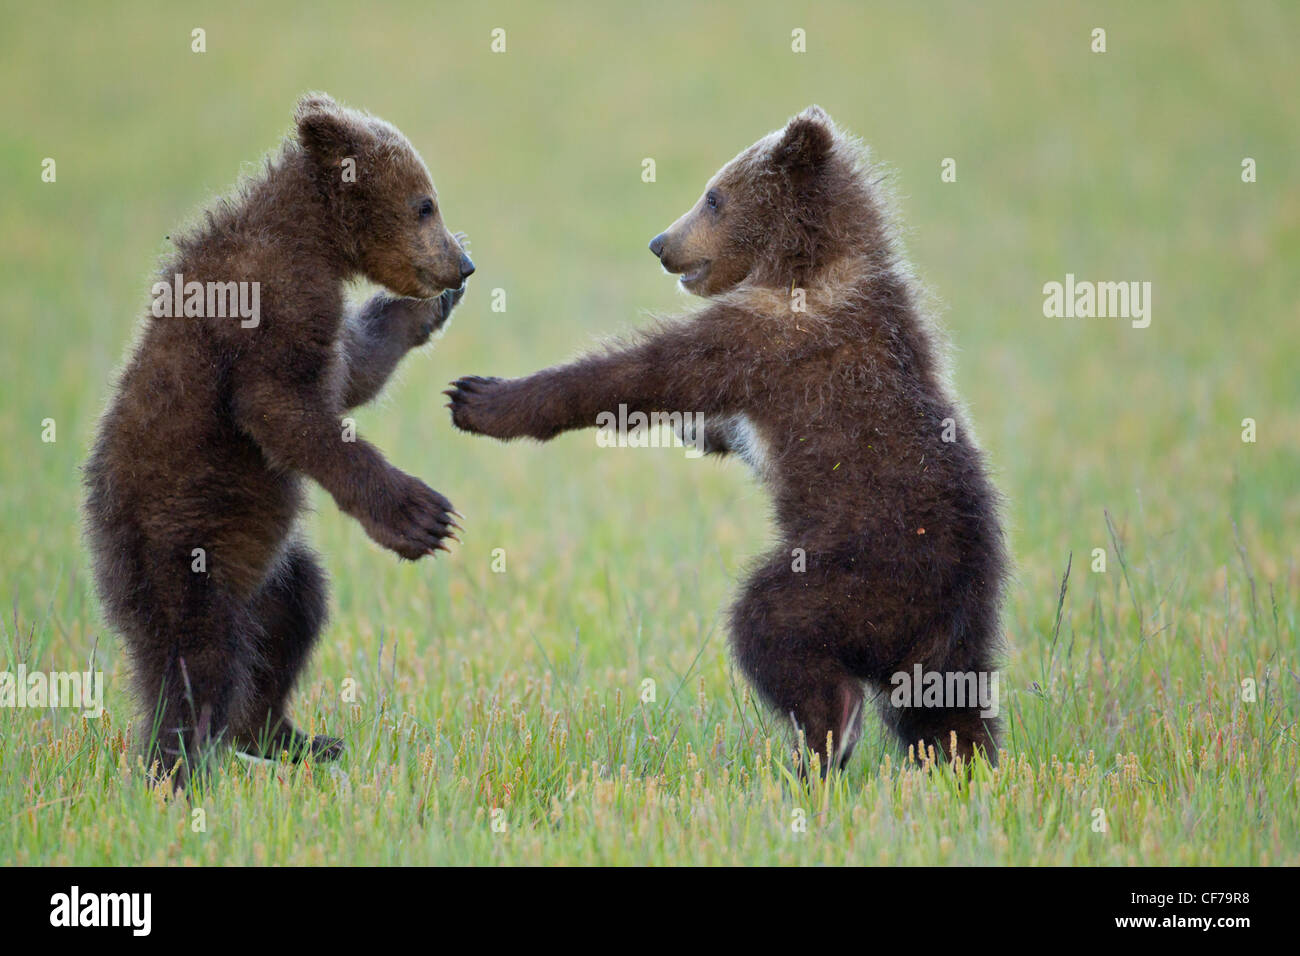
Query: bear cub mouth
[(695, 273), (433, 288)]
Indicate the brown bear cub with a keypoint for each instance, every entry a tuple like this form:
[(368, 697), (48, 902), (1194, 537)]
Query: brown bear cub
[(194, 483), (815, 363)]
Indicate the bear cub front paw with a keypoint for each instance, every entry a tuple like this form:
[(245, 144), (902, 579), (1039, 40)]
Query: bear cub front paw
[(481, 405), (411, 519), (423, 317)]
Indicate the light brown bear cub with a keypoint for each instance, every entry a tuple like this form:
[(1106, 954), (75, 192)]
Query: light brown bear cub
[(813, 362), (194, 484)]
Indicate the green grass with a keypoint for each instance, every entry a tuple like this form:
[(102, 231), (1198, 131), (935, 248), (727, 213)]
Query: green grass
[(521, 691)]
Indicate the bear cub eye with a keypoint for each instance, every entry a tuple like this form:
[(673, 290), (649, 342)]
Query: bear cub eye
[(426, 208), (713, 200)]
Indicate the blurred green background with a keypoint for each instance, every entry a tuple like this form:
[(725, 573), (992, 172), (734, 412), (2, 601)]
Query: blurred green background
[(1117, 166)]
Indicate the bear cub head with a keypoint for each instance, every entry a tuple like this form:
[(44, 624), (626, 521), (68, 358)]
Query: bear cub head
[(381, 196), (781, 210)]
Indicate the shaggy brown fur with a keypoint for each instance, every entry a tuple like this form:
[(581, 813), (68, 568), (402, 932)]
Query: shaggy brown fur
[(213, 425), (840, 408)]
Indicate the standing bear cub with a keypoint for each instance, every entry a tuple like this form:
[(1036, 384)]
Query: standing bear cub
[(815, 364), (194, 481)]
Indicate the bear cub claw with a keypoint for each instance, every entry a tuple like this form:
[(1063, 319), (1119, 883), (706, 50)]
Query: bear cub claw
[(326, 748), (412, 520), (296, 744)]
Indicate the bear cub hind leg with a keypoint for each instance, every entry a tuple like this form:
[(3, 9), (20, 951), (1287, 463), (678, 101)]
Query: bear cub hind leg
[(197, 689), (921, 727), (291, 612), (794, 666)]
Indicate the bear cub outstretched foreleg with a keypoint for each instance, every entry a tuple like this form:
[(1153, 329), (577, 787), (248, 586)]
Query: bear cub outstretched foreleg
[(813, 362)]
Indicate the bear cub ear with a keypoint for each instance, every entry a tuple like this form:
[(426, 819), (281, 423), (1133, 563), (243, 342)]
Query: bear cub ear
[(325, 129), (807, 141)]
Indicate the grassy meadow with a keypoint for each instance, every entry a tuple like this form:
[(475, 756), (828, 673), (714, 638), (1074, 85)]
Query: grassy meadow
[(498, 717)]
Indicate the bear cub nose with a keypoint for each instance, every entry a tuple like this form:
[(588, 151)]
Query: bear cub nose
[(466, 266), (657, 244)]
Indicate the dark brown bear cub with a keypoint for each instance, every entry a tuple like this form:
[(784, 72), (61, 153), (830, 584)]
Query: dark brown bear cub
[(234, 393), (815, 363)]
